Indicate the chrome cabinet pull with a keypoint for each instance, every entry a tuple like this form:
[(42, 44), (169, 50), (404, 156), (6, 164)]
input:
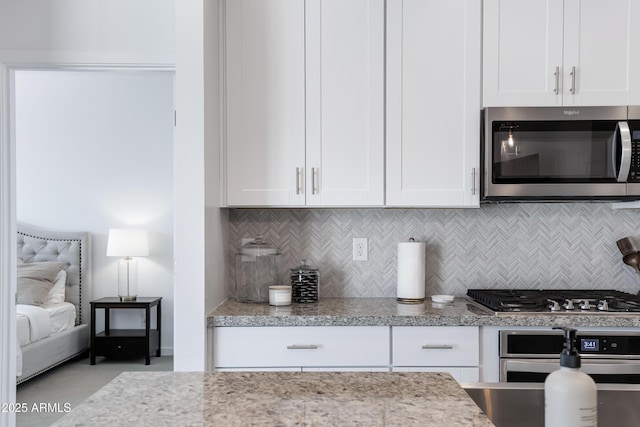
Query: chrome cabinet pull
[(298, 176), (573, 80), (437, 347), (557, 76), (473, 181), (302, 347), (314, 172)]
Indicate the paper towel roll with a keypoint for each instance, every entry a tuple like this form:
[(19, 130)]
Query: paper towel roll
[(411, 271)]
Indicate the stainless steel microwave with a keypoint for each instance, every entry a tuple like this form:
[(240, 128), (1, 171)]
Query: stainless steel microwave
[(560, 153)]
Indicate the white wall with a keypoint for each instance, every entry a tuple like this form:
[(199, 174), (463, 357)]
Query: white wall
[(44, 32), (87, 31), (199, 223), (216, 219), (95, 150), (8, 339), (121, 32)]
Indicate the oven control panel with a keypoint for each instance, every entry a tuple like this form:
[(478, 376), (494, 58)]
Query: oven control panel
[(535, 344), (608, 345)]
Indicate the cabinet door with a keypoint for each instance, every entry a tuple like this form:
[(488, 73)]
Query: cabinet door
[(433, 102), (634, 57), (522, 52), (345, 102), (597, 40), (265, 102)]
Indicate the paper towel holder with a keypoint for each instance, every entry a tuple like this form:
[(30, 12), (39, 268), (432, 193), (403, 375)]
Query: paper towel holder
[(411, 281)]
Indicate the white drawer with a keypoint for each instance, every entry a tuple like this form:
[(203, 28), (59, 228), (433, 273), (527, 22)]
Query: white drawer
[(436, 346), (301, 346)]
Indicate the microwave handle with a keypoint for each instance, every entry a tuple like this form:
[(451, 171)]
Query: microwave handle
[(622, 129)]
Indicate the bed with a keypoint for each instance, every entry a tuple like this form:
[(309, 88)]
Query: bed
[(46, 343)]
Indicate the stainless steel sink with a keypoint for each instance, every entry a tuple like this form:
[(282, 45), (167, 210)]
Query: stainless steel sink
[(522, 404)]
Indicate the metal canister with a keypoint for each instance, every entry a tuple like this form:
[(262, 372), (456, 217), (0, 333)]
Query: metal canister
[(305, 283)]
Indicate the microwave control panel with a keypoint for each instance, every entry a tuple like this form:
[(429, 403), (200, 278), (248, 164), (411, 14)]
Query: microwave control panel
[(634, 170)]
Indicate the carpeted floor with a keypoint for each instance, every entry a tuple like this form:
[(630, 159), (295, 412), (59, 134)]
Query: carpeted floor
[(49, 395)]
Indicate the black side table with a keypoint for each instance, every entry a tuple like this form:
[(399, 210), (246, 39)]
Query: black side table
[(125, 343)]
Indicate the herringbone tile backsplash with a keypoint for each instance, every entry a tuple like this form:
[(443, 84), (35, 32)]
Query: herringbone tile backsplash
[(525, 246)]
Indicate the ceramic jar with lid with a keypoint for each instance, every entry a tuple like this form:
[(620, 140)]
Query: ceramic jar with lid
[(257, 268), (305, 283)]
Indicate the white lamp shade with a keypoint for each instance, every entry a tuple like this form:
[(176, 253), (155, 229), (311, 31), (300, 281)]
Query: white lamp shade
[(127, 242)]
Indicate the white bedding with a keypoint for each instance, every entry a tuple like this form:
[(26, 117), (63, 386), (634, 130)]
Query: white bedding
[(35, 323)]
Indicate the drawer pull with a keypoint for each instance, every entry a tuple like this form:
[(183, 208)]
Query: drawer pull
[(437, 347), (302, 347)]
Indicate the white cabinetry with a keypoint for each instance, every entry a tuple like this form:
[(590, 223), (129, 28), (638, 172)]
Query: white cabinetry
[(304, 102), (453, 349), (433, 102), (332, 348), (559, 52), (265, 101)]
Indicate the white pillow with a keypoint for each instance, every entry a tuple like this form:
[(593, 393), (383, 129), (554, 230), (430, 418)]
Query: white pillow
[(35, 280), (57, 292)]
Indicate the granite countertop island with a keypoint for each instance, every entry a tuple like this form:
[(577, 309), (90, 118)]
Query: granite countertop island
[(278, 399), (388, 312)]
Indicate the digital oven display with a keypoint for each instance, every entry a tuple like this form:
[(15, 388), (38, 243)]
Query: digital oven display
[(589, 344)]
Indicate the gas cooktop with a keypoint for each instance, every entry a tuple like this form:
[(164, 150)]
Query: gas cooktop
[(573, 301)]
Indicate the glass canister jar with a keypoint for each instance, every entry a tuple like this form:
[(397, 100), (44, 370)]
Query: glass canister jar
[(305, 283), (257, 268)]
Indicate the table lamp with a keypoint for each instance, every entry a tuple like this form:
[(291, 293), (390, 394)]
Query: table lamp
[(127, 243)]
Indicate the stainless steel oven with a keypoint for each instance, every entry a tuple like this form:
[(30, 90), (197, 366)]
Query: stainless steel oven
[(609, 357), (561, 153)]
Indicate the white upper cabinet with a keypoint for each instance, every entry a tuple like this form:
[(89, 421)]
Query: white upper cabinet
[(345, 102), (433, 103), (304, 102), (265, 102), (558, 52), (522, 47)]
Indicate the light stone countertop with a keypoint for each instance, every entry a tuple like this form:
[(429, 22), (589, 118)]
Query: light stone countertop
[(278, 399), (388, 312)]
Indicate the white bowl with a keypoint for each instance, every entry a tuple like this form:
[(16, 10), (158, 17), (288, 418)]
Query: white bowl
[(442, 299)]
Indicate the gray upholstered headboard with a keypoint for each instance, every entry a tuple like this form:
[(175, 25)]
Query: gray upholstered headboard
[(73, 248)]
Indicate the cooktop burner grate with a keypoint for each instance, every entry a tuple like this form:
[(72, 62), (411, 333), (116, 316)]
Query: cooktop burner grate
[(556, 300)]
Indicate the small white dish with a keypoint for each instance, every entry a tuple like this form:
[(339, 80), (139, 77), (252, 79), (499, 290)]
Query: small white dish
[(442, 299)]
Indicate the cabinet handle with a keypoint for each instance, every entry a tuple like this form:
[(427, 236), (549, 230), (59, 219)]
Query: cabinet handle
[(473, 181), (298, 176), (314, 172), (573, 80), (557, 76), (302, 347), (437, 347)]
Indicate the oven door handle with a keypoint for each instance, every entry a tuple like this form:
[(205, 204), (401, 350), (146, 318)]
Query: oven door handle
[(605, 366)]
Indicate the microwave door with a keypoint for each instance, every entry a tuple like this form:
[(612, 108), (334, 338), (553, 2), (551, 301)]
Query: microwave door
[(582, 155)]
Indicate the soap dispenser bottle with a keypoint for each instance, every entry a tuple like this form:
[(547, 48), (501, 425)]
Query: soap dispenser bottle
[(570, 395)]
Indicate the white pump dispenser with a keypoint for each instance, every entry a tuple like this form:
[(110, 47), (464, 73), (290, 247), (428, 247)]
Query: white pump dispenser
[(570, 395)]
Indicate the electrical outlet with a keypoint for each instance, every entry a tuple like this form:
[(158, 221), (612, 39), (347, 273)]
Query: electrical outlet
[(360, 249)]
